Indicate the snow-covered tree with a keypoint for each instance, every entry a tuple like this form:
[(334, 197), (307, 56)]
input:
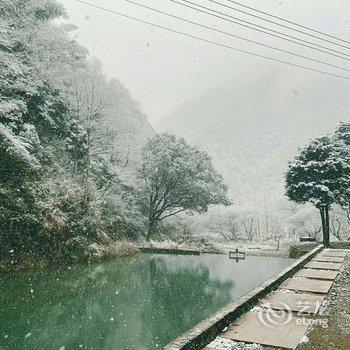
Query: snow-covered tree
[(342, 133), (177, 178), (320, 174)]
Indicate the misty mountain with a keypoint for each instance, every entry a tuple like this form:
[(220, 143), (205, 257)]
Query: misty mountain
[(252, 127)]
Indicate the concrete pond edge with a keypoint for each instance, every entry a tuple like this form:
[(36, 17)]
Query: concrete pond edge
[(207, 330), (173, 251)]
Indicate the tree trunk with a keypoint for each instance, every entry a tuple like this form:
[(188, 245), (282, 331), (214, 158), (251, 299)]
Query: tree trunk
[(278, 245), (326, 236), (87, 170), (150, 230), (266, 221), (324, 211)]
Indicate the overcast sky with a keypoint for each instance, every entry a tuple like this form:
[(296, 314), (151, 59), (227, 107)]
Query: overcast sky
[(162, 69)]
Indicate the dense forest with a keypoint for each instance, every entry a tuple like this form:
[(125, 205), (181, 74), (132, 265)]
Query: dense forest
[(66, 133), (76, 171)]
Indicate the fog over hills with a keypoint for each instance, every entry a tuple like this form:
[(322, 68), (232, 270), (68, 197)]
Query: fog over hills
[(252, 126)]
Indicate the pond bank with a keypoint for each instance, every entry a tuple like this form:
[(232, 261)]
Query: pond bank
[(123, 249), (17, 262), (252, 248)]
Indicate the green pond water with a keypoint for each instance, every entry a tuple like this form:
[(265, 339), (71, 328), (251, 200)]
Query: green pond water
[(142, 303)]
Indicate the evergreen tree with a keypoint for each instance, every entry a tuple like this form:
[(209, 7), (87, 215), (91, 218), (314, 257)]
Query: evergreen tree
[(320, 174)]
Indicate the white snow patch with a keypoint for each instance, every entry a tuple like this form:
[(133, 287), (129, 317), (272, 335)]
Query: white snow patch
[(304, 339), (285, 291), (16, 143), (257, 309), (228, 344)]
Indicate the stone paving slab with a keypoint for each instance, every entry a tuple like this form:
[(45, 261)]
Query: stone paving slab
[(323, 265), (317, 274), (260, 327), (333, 253), (333, 259), (297, 302), (307, 285)]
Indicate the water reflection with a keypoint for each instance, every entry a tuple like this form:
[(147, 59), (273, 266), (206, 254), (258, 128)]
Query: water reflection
[(138, 304)]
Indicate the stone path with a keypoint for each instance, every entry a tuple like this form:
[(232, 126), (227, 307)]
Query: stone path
[(296, 302), (333, 259), (317, 274), (307, 285), (329, 252), (252, 328), (281, 319), (323, 265)]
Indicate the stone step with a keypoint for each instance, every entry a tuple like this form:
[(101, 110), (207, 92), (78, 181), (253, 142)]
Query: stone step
[(323, 265), (307, 285), (267, 328), (334, 253), (293, 302), (317, 274), (333, 259)]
